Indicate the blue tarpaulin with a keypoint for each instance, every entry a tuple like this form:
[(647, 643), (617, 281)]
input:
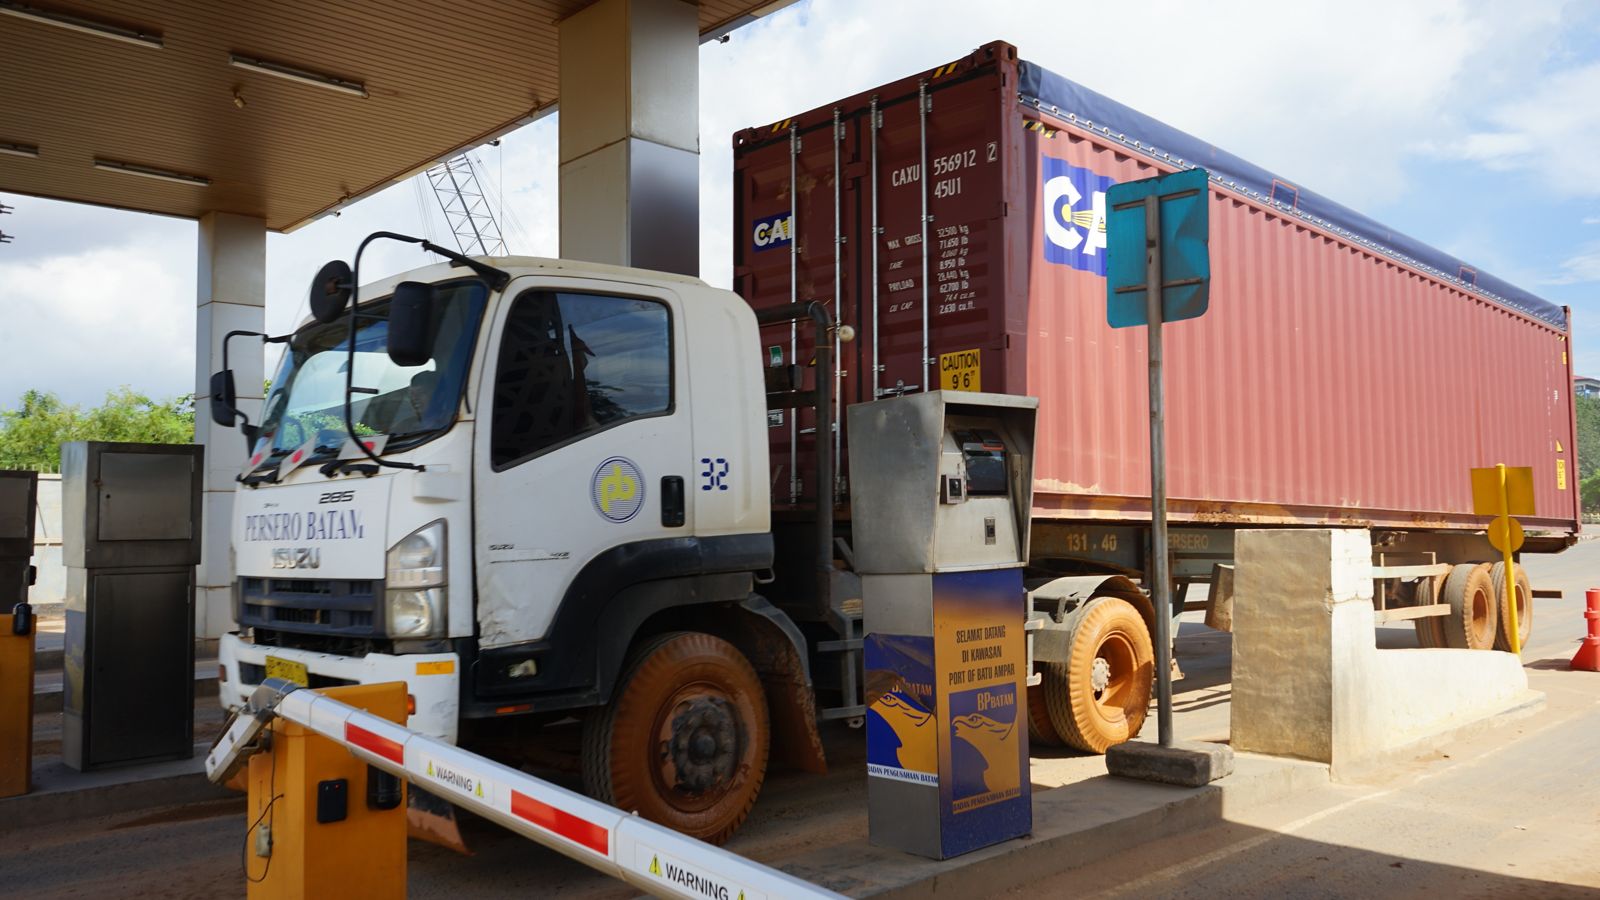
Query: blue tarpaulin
[(1140, 133)]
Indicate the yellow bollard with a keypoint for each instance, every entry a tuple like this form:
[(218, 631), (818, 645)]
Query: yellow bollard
[(314, 828), (16, 709), (1511, 567)]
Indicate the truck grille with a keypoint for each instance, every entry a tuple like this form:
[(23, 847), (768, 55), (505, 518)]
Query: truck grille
[(312, 606)]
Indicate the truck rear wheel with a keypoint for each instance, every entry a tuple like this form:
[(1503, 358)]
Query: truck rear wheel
[(1430, 629), (684, 740), (1473, 618), (1524, 592), (1100, 696)]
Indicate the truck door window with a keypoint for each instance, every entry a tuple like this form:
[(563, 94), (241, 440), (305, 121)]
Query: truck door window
[(574, 364)]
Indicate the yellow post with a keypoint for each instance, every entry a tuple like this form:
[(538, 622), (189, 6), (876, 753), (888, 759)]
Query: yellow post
[(16, 710), (1510, 566), (313, 830)]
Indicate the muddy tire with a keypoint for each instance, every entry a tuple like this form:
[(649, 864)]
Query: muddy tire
[(1100, 696), (1041, 731), (1430, 630), (1524, 593), (684, 740), (1474, 615)]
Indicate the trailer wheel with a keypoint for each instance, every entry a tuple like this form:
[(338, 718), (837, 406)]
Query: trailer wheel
[(1430, 630), (1041, 731), (1473, 617), (684, 740), (1524, 592), (1100, 696)]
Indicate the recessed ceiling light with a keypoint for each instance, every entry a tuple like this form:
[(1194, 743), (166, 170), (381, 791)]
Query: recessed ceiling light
[(108, 165), (279, 70), (25, 150), (80, 24)]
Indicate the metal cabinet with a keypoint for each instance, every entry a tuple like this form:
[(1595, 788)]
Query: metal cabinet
[(130, 539)]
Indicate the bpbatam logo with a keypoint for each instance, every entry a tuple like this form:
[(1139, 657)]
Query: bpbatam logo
[(617, 489), (1074, 216)]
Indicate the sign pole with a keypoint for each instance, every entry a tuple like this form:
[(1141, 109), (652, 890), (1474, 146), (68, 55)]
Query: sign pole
[(1510, 566), (1161, 588)]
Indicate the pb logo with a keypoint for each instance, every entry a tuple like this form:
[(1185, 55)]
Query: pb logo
[(617, 489), (773, 231), (1074, 216)]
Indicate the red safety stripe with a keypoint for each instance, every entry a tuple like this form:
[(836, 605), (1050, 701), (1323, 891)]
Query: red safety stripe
[(393, 751), (561, 822)]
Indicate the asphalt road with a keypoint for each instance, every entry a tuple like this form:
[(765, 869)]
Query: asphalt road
[(1514, 811)]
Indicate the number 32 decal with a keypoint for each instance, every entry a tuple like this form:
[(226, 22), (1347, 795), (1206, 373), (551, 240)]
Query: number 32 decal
[(716, 470)]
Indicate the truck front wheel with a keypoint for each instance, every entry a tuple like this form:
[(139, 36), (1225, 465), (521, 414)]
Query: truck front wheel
[(684, 740)]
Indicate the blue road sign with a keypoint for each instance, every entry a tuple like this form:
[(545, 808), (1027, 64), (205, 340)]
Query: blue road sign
[(1182, 200)]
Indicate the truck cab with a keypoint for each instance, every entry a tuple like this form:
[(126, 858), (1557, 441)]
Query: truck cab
[(567, 496)]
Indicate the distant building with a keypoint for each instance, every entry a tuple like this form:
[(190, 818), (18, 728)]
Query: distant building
[(1584, 386)]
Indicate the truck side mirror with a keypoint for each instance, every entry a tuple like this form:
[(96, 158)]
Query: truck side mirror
[(224, 400), (330, 291), (411, 324)]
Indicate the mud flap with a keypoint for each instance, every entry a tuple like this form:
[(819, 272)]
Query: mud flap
[(433, 819)]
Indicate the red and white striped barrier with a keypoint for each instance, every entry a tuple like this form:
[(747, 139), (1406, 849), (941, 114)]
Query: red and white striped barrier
[(651, 857)]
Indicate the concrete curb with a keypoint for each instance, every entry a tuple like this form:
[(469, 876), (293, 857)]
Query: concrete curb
[(1075, 825), (61, 794), (1524, 705)]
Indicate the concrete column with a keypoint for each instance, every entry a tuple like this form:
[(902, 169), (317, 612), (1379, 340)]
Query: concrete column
[(630, 135), (1308, 678), (232, 296)]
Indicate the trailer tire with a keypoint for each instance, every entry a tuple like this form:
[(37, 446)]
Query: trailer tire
[(1041, 731), (685, 738), (1524, 591), (1473, 620), (1430, 629), (1109, 647)]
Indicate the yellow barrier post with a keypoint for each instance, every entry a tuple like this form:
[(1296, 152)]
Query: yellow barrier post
[(322, 822), (16, 709), (1511, 567), (1505, 492)]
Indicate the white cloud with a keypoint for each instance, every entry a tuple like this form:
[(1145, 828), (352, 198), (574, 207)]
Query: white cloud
[(1580, 268), (1591, 220), (82, 323), (1550, 132)]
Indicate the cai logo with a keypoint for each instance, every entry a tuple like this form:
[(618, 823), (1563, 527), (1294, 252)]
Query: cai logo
[(773, 231), (617, 489), (1074, 216)]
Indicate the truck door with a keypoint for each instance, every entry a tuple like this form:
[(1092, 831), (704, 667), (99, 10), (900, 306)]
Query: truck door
[(578, 431)]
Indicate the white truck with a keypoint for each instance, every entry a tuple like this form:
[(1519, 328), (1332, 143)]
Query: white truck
[(558, 506)]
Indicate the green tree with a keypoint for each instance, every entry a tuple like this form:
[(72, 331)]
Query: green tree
[(31, 435), (1588, 436)]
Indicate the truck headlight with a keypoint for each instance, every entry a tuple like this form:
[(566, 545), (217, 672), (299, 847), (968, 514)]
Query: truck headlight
[(415, 584)]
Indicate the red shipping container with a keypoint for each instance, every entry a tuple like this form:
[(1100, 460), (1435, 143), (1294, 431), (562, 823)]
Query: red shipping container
[(1344, 374)]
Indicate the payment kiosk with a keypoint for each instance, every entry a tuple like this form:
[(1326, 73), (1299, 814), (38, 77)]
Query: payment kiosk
[(942, 489)]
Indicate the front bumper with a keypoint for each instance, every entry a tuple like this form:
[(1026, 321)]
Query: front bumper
[(432, 679)]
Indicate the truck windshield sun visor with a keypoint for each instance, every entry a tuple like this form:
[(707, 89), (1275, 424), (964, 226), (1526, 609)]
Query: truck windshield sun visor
[(406, 404)]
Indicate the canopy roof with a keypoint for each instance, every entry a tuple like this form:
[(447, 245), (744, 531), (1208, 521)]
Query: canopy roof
[(283, 110)]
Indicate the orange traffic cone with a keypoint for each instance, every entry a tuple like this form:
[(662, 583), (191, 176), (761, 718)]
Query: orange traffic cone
[(1588, 657)]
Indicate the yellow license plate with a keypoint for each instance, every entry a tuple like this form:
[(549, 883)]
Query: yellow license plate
[(288, 670)]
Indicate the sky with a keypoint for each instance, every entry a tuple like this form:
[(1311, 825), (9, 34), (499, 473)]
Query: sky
[(1471, 125)]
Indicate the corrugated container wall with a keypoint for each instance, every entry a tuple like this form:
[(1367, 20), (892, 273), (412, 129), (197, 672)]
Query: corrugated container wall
[(1334, 380)]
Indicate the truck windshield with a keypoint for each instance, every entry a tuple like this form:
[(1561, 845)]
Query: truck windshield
[(307, 398)]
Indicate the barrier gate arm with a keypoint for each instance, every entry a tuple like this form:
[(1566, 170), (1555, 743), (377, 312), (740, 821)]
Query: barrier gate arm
[(648, 856)]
